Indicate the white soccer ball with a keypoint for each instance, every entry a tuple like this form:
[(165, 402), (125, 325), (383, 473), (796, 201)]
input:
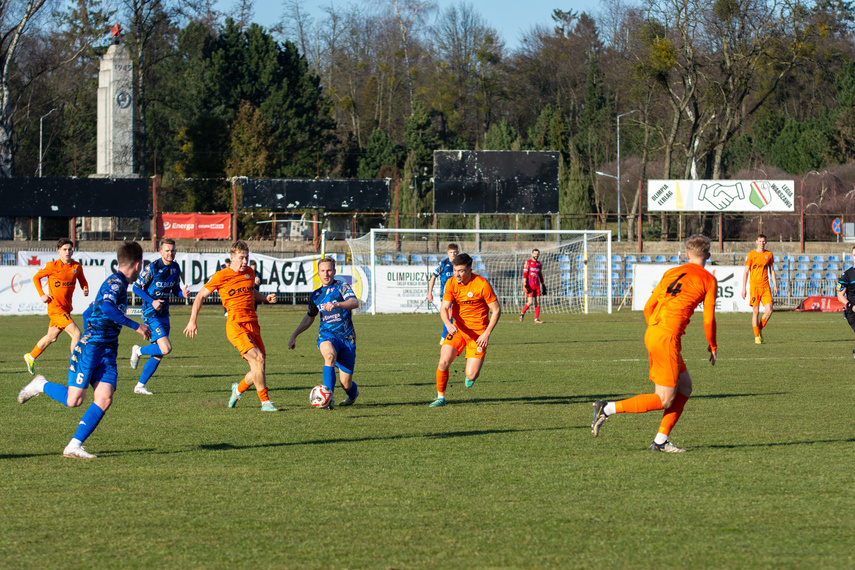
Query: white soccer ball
[(320, 396)]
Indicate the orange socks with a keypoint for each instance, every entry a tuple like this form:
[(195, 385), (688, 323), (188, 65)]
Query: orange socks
[(673, 414), (441, 380), (262, 395), (36, 352), (639, 404), (242, 386), (763, 323), (756, 331)]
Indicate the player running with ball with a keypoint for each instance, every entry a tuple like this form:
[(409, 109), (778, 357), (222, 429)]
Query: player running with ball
[(667, 313), (334, 301), (466, 303)]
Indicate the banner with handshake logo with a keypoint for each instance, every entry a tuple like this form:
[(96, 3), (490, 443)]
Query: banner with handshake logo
[(720, 195)]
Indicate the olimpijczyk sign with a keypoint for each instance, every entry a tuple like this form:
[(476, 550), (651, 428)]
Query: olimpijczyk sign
[(720, 195)]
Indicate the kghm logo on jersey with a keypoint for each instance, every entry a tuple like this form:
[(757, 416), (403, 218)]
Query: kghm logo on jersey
[(233, 292)]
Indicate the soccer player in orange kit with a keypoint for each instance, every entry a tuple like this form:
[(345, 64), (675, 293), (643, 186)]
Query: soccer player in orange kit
[(467, 301), (62, 274), (667, 313), (760, 266), (236, 287)]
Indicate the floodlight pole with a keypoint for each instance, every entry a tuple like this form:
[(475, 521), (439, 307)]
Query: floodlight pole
[(618, 168)]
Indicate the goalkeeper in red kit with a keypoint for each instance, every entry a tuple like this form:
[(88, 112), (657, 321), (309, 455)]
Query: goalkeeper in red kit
[(534, 285)]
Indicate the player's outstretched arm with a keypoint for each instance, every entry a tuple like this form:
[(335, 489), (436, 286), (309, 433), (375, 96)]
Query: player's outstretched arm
[(264, 297), (113, 313), (301, 328), (745, 280), (430, 288), (191, 329)]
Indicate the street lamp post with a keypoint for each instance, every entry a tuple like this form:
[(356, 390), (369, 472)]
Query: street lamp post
[(41, 136), (618, 168)]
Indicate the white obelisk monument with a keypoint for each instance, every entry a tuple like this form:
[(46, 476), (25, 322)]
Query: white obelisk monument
[(116, 112), (115, 148)]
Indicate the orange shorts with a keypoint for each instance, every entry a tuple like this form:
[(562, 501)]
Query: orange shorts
[(245, 336), (761, 294), (461, 341), (663, 350), (60, 320)]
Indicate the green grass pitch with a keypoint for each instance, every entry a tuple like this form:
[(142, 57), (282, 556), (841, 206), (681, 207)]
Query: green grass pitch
[(507, 475)]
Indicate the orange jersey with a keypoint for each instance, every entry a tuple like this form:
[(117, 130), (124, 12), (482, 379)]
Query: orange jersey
[(237, 292), (674, 300), (759, 264), (62, 279), (469, 304)]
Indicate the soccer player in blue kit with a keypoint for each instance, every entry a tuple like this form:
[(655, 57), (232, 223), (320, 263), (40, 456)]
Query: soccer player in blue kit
[(93, 360), (160, 279), (445, 270), (334, 301)]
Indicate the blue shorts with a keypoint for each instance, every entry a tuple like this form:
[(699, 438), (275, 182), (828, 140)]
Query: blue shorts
[(345, 351), (91, 363), (159, 326)]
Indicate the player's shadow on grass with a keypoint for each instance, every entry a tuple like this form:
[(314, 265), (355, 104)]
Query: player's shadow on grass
[(776, 443), (203, 376), (716, 396), (438, 435)]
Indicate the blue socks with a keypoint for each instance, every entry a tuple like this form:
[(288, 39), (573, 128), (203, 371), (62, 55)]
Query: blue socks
[(57, 392), (88, 422), (151, 350), (149, 368), (329, 377)]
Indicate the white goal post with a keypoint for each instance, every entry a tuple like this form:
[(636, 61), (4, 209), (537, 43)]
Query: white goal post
[(577, 267)]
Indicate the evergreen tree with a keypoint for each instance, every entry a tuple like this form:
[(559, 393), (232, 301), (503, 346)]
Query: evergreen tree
[(420, 138), (380, 151), (574, 191), (501, 136), (250, 145)]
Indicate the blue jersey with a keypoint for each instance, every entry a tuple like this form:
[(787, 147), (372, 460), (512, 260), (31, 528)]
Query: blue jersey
[(445, 270), (336, 323), (106, 315), (156, 283)]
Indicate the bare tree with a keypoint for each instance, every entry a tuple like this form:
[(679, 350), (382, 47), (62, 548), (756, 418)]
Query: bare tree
[(151, 22), (408, 14), (10, 38)]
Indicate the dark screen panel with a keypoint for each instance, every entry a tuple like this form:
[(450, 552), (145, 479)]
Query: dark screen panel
[(469, 182), (67, 197), (327, 194)]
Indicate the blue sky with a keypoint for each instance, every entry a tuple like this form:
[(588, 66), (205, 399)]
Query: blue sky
[(510, 17)]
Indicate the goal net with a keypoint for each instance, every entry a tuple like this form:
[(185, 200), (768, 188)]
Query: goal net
[(398, 265)]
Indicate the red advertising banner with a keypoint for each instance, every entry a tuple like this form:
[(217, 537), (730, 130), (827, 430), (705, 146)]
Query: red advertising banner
[(194, 226), (821, 304)]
